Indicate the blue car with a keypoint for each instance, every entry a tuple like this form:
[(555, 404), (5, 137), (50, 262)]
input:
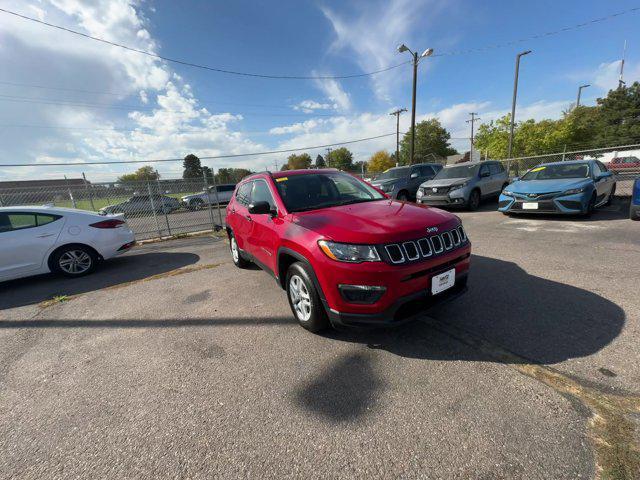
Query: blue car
[(571, 188), (634, 210)]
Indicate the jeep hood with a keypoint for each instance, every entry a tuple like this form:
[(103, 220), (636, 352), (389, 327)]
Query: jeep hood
[(381, 221)]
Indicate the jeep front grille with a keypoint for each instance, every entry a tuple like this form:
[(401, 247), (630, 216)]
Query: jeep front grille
[(415, 250)]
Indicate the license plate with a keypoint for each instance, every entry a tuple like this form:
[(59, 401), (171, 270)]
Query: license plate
[(443, 281), (529, 206)]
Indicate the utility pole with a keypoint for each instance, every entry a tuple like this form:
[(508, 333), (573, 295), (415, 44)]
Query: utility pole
[(328, 157), (515, 96), (415, 58), (580, 93), (624, 54), (397, 114), (472, 121)]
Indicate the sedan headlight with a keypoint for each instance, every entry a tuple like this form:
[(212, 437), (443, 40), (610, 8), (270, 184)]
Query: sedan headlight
[(507, 192), (458, 187), (419, 193), (573, 191), (347, 252)]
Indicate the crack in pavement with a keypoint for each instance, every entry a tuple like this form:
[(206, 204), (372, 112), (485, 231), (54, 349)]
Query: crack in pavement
[(614, 418)]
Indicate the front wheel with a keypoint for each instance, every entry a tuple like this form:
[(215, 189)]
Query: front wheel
[(611, 194), (304, 300), (591, 206), (474, 200), (403, 197)]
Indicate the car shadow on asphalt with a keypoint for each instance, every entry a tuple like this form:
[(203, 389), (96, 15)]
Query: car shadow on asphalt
[(116, 271), (540, 320)]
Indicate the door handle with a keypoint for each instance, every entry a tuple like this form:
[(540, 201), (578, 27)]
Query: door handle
[(248, 217), (44, 235)]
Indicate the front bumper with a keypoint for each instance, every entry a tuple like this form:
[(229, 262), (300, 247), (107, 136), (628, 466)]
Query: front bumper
[(560, 204), (403, 310), (453, 198)]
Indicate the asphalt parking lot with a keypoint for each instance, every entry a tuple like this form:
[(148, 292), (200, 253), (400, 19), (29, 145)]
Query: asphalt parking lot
[(171, 363)]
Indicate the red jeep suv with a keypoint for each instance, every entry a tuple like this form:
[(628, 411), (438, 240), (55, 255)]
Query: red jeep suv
[(346, 254)]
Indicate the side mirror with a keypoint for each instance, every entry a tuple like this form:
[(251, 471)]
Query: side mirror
[(484, 174), (515, 179), (414, 175), (260, 208)]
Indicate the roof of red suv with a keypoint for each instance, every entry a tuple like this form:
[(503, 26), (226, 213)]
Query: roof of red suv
[(287, 173)]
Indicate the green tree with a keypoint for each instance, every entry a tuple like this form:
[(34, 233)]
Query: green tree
[(298, 161), (192, 167), (208, 173), (340, 158), (380, 161), (231, 175), (143, 174), (320, 163), (619, 116), (432, 139)]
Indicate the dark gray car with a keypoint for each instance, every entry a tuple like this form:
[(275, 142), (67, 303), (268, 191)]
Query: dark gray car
[(464, 185), (402, 182)]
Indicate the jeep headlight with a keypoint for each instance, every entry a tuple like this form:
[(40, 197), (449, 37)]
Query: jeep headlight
[(573, 191), (347, 252)]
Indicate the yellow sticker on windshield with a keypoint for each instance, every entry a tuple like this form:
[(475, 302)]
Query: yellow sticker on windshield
[(538, 169), (282, 179)]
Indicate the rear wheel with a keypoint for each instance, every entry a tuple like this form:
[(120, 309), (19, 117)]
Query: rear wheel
[(304, 300), (236, 254), (474, 200), (196, 204), (74, 261)]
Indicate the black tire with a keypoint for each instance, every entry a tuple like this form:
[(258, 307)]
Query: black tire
[(196, 204), (73, 261), (308, 310), (403, 196), (591, 206), (473, 203), (236, 255), (613, 192)]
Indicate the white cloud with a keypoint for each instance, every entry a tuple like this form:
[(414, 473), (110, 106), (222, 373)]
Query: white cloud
[(309, 106), (170, 125), (376, 29), (607, 74), (334, 92)]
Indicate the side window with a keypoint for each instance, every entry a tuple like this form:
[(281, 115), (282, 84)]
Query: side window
[(44, 219), (484, 170), (602, 167), (226, 188), (261, 193), (596, 169), (244, 193), (426, 171), (17, 221), (415, 170), (495, 168)]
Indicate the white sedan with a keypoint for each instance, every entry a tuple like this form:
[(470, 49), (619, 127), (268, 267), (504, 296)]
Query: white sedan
[(36, 240)]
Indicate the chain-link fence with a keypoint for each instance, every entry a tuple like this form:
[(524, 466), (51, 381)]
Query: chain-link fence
[(155, 208), (623, 161)]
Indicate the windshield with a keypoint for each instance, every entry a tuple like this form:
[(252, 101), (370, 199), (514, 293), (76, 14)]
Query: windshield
[(394, 173), (321, 190), (556, 172), (463, 171)]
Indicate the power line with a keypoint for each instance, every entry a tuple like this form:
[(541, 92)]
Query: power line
[(12, 98), (214, 157), (540, 35), (204, 67)]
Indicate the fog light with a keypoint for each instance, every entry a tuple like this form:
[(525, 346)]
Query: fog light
[(364, 294)]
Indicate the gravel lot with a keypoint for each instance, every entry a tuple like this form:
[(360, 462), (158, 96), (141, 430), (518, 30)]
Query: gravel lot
[(145, 371)]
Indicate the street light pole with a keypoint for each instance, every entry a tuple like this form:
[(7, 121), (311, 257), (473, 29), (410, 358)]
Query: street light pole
[(415, 58), (580, 93), (515, 96), (397, 114)]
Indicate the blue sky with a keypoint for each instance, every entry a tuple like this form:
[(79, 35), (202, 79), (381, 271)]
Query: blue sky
[(142, 108)]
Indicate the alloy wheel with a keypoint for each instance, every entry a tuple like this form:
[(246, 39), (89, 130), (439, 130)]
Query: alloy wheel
[(75, 262), (300, 298)]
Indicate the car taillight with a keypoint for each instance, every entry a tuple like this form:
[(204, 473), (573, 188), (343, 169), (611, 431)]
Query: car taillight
[(111, 223)]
